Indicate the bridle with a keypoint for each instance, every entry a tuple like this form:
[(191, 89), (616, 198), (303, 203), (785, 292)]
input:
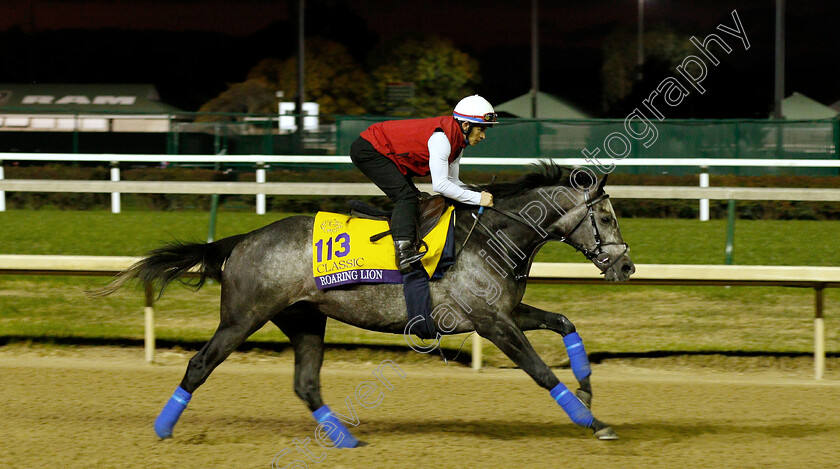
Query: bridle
[(593, 254)]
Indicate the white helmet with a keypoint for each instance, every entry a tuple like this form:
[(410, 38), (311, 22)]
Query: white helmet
[(476, 110)]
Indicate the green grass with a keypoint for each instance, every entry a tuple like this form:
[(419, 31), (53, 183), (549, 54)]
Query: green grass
[(757, 242), (661, 241), (611, 318), (101, 233)]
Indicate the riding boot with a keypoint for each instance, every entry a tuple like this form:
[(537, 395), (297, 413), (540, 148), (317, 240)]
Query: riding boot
[(407, 254)]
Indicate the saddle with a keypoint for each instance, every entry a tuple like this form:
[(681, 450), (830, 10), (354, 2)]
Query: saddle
[(429, 210), (416, 283)]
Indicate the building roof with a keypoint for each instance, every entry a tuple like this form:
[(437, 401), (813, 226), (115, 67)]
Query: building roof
[(548, 107), (798, 106), (82, 98)]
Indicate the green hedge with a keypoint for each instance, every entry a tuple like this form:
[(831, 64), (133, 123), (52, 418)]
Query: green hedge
[(746, 209), (36, 200), (625, 208)]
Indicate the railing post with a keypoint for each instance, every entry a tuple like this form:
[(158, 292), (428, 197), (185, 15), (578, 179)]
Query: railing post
[(476, 352), (76, 133), (214, 208), (211, 225), (819, 333), (260, 180), (704, 203), (170, 137), (730, 232), (115, 196), (2, 193), (149, 335)]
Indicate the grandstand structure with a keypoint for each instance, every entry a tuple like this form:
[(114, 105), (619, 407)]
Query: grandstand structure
[(86, 108), (131, 119)]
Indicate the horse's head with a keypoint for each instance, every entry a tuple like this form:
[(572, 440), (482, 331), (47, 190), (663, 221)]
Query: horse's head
[(562, 204), (571, 206), (590, 226)]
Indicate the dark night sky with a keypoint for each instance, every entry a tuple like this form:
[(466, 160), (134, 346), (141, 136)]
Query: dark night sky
[(235, 35)]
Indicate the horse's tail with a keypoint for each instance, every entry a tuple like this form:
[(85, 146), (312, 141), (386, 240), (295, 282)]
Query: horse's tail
[(170, 262)]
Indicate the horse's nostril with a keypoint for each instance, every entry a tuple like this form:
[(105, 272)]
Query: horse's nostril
[(628, 269)]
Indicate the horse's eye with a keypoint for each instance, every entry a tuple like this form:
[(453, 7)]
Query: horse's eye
[(605, 220)]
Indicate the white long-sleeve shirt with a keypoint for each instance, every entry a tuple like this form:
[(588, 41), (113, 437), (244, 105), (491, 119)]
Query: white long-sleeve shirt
[(445, 174)]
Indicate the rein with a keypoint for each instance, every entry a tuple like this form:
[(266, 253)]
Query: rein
[(591, 254), (476, 217)]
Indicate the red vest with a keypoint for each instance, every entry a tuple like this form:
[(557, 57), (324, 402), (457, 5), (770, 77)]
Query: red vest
[(406, 142)]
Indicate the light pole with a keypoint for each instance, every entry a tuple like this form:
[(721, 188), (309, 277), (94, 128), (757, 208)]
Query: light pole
[(299, 98), (535, 58), (779, 93), (641, 47)]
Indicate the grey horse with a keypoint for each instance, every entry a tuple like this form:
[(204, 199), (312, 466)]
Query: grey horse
[(266, 275)]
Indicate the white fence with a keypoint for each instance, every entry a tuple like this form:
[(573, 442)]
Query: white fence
[(818, 278), (560, 273), (260, 188)]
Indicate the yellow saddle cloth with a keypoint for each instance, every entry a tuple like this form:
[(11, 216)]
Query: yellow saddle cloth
[(342, 252)]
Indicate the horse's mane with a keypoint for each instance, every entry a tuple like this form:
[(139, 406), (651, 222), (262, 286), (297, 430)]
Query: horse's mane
[(546, 173)]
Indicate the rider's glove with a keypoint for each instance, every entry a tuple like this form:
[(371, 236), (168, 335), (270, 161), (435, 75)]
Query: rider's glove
[(486, 199)]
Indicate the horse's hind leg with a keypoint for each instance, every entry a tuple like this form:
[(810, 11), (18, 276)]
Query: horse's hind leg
[(529, 318), (510, 339), (304, 326), (238, 322)]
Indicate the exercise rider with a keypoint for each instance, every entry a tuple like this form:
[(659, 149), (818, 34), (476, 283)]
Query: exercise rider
[(391, 153)]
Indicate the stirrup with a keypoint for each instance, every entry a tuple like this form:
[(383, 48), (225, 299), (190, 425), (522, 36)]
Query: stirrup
[(407, 255)]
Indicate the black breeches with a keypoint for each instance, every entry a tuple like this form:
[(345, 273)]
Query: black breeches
[(398, 187)]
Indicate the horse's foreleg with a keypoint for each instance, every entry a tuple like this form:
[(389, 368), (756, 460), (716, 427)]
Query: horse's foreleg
[(304, 326), (529, 318), (510, 339)]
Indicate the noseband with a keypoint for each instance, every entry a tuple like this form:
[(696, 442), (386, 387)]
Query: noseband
[(593, 254)]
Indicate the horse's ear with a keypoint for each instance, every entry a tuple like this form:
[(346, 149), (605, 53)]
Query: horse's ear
[(602, 183)]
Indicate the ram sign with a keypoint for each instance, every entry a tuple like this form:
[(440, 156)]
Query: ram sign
[(79, 99)]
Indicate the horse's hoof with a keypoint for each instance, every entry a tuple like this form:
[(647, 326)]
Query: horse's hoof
[(361, 443), (606, 433), (584, 397)]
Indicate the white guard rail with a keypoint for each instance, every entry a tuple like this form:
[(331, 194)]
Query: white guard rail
[(817, 278), (260, 188)]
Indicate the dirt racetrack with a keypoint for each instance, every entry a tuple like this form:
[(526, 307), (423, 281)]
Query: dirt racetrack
[(94, 407)]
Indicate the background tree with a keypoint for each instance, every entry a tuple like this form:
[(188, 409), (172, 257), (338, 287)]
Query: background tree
[(664, 49), (734, 88), (333, 78), (441, 73), (253, 96)]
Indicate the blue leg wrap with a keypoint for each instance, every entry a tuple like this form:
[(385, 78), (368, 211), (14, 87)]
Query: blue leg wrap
[(577, 356), (171, 412), (334, 429), (572, 405)]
